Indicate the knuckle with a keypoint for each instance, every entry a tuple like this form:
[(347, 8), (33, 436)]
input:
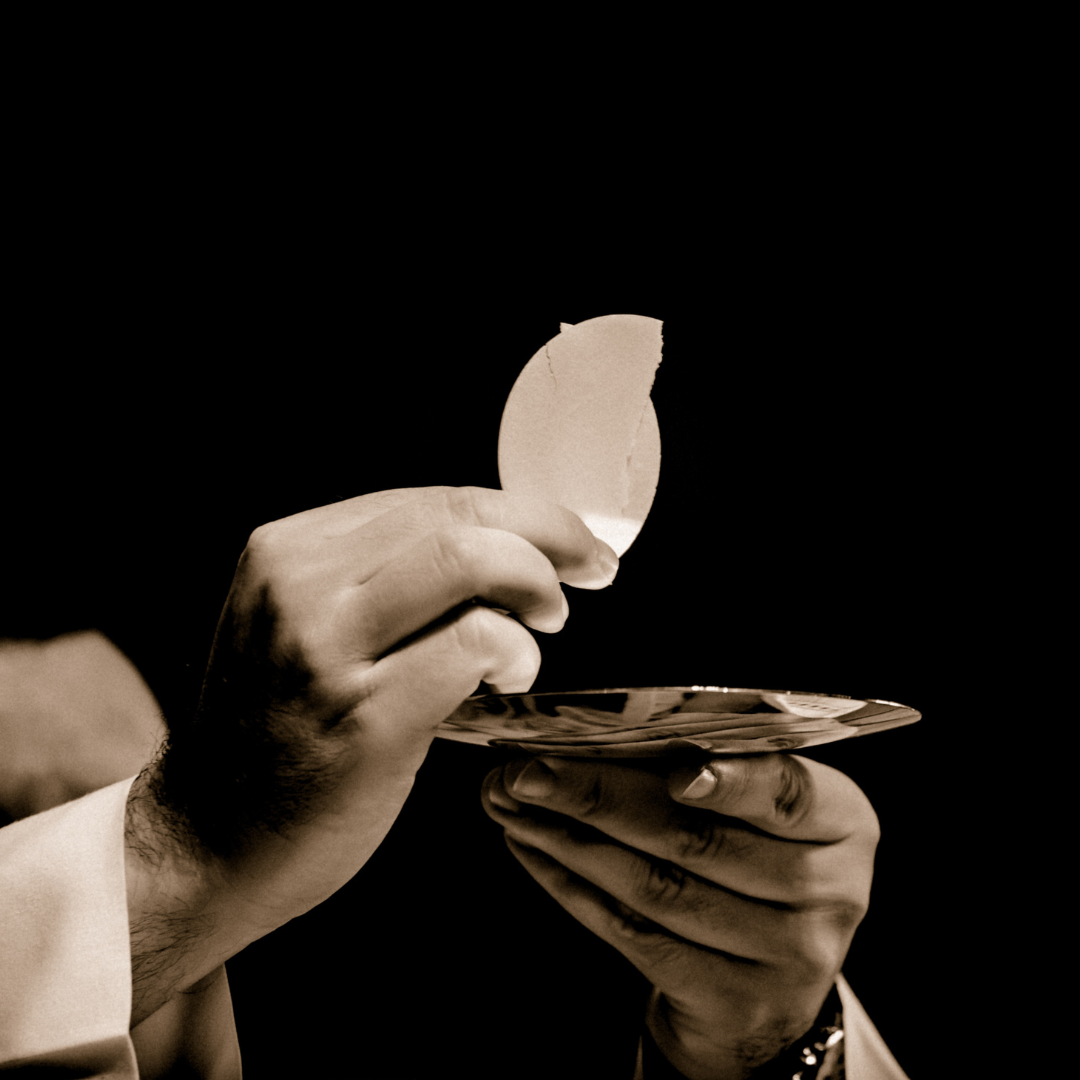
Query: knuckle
[(589, 799), (662, 883), (842, 905), (809, 952), (845, 915), (832, 884), (265, 557), (457, 554), (473, 629), (700, 841), (793, 796), (643, 937), (481, 632), (468, 505), (630, 926), (263, 541), (803, 878)]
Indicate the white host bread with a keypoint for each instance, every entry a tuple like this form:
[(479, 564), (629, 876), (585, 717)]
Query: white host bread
[(579, 427)]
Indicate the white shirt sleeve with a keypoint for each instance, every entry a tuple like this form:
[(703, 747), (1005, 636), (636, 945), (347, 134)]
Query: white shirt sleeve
[(65, 957), (866, 1057)]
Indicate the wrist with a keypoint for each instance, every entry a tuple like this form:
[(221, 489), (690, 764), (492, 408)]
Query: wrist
[(175, 932), (818, 1054)]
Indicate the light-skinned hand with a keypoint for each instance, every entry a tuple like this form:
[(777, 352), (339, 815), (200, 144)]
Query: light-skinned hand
[(351, 631), (734, 888)]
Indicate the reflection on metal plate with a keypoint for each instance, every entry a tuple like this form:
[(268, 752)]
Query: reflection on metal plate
[(653, 721)]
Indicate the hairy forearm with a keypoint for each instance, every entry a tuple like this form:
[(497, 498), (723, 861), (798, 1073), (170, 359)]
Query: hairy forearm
[(227, 838), (200, 820), (171, 912)]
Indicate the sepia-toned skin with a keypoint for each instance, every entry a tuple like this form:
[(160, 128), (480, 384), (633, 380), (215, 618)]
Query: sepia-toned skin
[(738, 905), (350, 632)]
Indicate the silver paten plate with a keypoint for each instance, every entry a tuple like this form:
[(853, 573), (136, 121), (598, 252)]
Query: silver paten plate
[(658, 720)]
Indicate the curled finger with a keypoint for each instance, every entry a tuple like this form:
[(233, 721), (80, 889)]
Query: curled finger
[(785, 795), (632, 805), (682, 903), (440, 571), (672, 965), (420, 684)]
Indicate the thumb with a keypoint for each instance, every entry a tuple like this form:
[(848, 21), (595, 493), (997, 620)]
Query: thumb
[(788, 796)]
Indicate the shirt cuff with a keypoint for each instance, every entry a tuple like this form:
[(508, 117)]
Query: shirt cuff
[(65, 958)]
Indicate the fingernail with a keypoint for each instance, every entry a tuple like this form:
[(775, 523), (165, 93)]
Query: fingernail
[(535, 781), (609, 561), (494, 791), (601, 574), (565, 608), (702, 785)]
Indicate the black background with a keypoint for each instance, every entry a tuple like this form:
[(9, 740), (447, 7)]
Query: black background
[(811, 531)]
